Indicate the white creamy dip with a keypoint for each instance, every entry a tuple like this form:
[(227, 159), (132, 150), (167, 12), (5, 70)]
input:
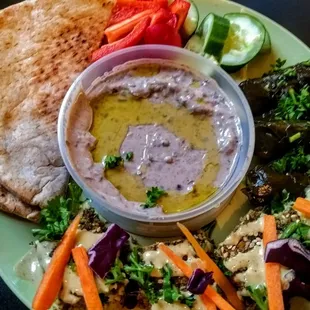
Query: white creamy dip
[(33, 265)]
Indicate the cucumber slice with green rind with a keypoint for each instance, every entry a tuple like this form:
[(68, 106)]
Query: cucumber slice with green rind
[(214, 30), (267, 44), (244, 42), (195, 44), (191, 22)]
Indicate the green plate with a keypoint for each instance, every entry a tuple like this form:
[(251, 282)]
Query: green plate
[(16, 234)]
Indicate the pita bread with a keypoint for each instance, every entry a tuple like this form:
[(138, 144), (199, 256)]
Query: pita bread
[(44, 45), (11, 204)]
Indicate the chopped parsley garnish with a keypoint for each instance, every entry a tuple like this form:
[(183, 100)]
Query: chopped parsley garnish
[(113, 161), (171, 293), (57, 215), (141, 273), (294, 161), (116, 274), (128, 156), (152, 196), (259, 294), (278, 65), (293, 105)]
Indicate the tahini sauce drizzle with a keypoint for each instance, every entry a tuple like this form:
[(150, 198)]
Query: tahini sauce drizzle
[(159, 259)]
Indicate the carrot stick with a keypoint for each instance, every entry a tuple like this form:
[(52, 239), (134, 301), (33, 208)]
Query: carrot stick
[(272, 270), (302, 205), (52, 279), (217, 299), (208, 303), (218, 275), (86, 275)]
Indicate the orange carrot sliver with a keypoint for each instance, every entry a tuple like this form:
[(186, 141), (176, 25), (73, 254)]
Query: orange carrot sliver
[(218, 275), (272, 270), (302, 205), (90, 291), (217, 299), (210, 305), (52, 279), (116, 31)]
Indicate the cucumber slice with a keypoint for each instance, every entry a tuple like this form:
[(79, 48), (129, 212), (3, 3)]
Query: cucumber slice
[(244, 42), (267, 44), (195, 44), (191, 22), (214, 31)]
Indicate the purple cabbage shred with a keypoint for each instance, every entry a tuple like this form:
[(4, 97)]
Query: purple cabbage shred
[(199, 281), (102, 255)]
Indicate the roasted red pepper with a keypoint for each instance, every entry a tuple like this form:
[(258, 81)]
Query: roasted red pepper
[(180, 8), (162, 16), (133, 38), (162, 34), (118, 31), (173, 21), (125, 9), (161, 3)]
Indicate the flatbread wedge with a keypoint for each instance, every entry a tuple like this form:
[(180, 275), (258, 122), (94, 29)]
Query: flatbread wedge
[(44, 46)]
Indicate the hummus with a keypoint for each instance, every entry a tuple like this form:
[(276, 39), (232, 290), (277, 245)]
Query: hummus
[(181, 128)]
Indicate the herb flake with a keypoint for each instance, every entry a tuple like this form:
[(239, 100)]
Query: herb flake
[(152, 196), (128, 156)]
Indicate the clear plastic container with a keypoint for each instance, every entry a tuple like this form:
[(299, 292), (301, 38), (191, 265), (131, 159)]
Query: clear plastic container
[(195, 218)]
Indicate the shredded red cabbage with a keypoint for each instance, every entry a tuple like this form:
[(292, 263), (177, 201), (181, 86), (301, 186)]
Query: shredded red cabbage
[(199, 281), (102, 255), (289, 253)]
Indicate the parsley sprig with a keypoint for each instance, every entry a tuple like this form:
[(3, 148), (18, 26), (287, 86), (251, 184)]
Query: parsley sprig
[(141, 273), (259, 294), (277, 66), (113, 161), (171, 293), (116, 274), (294, 105), (57, 215), (152, 196)]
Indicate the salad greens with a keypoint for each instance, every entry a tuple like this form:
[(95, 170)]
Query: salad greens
[(57, 215), (259, 295), (152, 196)]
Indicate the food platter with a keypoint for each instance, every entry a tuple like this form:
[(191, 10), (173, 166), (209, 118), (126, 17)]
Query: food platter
[(16, 233)]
